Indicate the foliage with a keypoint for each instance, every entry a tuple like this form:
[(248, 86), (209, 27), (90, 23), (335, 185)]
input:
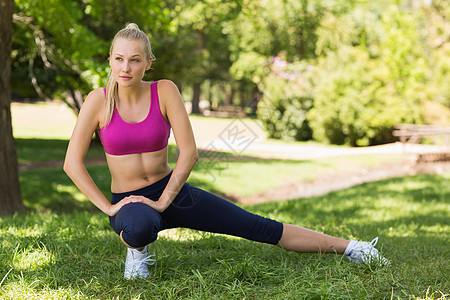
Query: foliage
[(375, 62), (265, 28), (376, 71), (62, 46), (54, 48), (286, 100), (437, 27), (363, 90)]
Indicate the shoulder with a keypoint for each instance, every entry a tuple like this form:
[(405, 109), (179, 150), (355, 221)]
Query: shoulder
[(170, 99), (94, 104), (166, 85), (95, 99), (168, 91), (96, 95)]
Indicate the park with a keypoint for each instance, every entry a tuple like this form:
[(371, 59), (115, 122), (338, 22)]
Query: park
[(305, 131)]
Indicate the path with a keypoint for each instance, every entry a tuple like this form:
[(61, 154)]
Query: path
[(247, 137)]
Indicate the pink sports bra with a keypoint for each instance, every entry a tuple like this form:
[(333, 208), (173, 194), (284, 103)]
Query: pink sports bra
[(152, 134)]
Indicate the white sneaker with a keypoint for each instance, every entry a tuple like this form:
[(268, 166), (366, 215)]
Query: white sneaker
[(137, 262), (365, 252)]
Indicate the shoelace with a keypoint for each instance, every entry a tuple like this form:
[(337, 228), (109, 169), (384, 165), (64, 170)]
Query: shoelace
[(355, 251), (147, 260), (137, 263), (374, 242)]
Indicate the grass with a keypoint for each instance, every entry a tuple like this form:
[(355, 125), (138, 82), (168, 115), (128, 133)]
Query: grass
[(63, 248), (60, 254)]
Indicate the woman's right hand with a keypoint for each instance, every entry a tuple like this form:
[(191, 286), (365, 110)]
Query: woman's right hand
[(114, 208)]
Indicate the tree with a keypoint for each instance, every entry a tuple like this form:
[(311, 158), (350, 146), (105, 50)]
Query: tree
[(61, 47), (264, 29), (372, 76), (10, 198), (201, 31)]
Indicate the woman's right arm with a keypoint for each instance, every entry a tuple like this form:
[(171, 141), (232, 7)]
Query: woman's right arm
[(88, 120)]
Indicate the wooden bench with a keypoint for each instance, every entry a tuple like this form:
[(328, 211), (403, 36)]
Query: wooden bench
[(228, 111), (439, 135), (411, 133)]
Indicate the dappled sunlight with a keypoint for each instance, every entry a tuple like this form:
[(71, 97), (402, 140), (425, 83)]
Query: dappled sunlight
[(418, 229), (404, 230), (389, 208), (23, 231), (436, 229), (174, 234), (70, 189), (51, 190), (39, 289), (183, 235), (402, 187), (31, 259)]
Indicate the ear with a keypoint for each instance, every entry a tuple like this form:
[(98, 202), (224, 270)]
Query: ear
[(109, 59), (149, 64)]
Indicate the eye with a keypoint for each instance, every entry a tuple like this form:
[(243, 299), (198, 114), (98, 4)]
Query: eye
[(118, 58), (135, 59)]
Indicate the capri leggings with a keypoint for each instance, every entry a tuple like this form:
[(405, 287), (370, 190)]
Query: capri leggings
[(192, 208)]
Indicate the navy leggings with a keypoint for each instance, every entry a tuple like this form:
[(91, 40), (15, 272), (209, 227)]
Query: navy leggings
[(192, 208)]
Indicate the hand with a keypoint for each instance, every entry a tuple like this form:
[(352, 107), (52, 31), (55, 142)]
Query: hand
[(114, 208), (156, 205)]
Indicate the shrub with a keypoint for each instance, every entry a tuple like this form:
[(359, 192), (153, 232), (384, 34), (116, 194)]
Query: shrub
[(286, 101), (360, 94)]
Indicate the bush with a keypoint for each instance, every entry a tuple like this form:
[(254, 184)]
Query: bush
[(360, 94), (286, 101)]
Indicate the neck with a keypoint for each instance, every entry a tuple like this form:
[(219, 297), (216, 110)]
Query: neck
[(130, 94)]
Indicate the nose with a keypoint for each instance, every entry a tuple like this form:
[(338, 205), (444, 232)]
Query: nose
[(126, 66)]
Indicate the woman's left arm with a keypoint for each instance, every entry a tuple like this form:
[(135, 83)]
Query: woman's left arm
[(182, 130)]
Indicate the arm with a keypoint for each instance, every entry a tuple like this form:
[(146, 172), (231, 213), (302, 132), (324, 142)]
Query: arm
[(176, 114), (87, 122)]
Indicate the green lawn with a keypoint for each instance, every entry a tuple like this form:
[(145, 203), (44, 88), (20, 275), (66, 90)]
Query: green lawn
[(64, 248), (69, 252)]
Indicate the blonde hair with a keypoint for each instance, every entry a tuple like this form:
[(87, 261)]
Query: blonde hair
[(130, 32)]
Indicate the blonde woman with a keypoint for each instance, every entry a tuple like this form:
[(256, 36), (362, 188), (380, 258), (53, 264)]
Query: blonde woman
[(134, 119)]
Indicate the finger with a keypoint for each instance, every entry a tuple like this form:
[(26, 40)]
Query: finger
[(125, 201)]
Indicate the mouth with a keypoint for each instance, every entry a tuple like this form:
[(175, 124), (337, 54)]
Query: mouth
[(125, 77)]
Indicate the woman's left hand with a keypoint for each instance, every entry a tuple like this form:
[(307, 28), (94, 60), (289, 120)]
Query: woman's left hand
[(156, 205)]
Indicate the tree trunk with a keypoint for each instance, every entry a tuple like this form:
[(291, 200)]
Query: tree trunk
[(10, 197), (196, 98), (227, 96)]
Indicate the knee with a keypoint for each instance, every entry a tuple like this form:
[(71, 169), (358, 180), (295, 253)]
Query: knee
[(141, 227)]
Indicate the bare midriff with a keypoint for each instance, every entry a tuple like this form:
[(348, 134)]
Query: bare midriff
[(134, 171)]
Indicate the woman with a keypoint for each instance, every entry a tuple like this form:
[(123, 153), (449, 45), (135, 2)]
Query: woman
[(134, 118)]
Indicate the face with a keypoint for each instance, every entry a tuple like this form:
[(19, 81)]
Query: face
[(128, 62)]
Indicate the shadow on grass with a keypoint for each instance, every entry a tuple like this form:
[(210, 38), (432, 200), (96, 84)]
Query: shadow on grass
[(51, 189)]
